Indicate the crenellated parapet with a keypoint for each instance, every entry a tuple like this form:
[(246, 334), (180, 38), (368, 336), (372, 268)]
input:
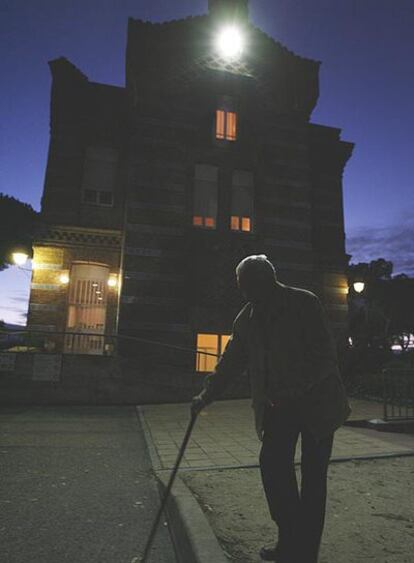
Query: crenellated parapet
[(170, 59)]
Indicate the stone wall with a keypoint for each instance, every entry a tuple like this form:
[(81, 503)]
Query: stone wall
[(62, 379)]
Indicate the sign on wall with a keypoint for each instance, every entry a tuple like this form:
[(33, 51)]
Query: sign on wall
[(47, 367), (7, 361)]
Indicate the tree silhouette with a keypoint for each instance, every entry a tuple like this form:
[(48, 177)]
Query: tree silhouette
[(17, 225), (384, 312)]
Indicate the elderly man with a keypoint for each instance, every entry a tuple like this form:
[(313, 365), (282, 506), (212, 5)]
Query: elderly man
[(282, 337)]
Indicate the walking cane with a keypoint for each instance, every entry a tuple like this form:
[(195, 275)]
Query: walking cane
[(144, 558)]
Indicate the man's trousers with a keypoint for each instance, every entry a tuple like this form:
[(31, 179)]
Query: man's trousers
[(299, 516)]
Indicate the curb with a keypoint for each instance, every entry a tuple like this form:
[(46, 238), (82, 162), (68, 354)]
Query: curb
[(193, 538), (155, 460)]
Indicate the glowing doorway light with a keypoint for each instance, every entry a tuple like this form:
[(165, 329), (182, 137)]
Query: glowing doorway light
[(230, 42)]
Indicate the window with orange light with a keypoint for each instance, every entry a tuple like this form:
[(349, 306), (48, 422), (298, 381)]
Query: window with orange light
[(226, 120), (226, 125), (221, 124), (205, 196), (209, 349), (242, 200)]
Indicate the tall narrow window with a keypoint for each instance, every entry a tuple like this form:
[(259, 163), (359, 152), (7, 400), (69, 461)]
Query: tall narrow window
[(99, 176), (226, 120), (210, 344), (205, 196), (241, 218)]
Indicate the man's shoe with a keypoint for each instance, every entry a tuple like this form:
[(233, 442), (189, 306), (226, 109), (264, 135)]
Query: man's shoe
[(274, 554)]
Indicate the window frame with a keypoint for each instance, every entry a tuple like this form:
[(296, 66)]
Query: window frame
[(220, 348), (97, 202), (194, 208), (228, 105), (240, 218), (97, 153)]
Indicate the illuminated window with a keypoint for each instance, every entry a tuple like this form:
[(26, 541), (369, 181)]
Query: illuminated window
[(246, 224), (210, 344), (99, 176), (224, 339), (220, 124), (226, 125), (241, 218), (231, 126), (198, 221), (235, 223), (226, 120), (205, 196), (209, 222)]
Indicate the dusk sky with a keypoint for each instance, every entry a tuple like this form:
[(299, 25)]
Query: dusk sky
[(366, 89)]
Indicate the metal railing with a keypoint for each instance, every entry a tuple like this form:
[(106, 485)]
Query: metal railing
[(28, 340), (43, 366), (145, 353), (398, 384)]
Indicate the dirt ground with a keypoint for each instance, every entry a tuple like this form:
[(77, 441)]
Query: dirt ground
[(370, 511)]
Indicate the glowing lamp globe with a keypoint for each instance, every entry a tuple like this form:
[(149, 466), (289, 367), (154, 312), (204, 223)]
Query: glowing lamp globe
[(230, 42), (64, 278), (19, 258), (359, 287)]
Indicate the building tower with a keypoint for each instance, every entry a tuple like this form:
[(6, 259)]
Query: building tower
[(155, 191)]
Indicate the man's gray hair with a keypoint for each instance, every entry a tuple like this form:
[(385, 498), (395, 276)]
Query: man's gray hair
[(255, 263)]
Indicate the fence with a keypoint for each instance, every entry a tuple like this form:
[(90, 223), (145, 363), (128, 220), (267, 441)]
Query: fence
[(26, 340), (88, 368), (398, 387)]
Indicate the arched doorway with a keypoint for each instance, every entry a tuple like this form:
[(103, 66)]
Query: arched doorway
[(87, 300)]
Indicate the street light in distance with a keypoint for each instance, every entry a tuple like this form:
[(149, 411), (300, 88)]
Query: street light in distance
[(359, 286)]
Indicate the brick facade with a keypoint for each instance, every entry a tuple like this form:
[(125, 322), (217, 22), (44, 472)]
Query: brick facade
[(178, 280)]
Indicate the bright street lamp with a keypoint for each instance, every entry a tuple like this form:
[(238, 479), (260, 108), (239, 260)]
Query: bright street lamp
[(359, 287), (230, 42), (20, 258)]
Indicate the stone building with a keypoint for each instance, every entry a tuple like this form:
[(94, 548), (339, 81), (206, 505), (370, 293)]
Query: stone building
[(156, 190)]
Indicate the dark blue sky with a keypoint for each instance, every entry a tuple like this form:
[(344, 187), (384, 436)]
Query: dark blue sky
[(366, 83)]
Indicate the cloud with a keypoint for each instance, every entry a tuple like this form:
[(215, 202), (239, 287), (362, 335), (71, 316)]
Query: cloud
[(394, 243)]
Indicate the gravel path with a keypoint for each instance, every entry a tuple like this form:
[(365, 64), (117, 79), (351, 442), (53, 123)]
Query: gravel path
[(370, 511)]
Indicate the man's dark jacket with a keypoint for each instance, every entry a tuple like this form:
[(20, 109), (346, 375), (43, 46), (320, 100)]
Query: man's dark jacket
[(301, 362)]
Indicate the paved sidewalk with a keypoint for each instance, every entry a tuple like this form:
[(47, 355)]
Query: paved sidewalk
[(224, 435)]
